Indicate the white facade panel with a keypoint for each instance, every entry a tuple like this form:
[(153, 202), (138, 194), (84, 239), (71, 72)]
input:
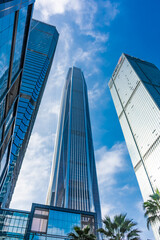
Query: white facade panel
[(144, 184), (137, 82), (143, 114), (135, 157), (126, 81), (116, 100), (152, 163)]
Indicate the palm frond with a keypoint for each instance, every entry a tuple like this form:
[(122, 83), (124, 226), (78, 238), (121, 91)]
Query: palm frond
[(120, 228), (152, 208)]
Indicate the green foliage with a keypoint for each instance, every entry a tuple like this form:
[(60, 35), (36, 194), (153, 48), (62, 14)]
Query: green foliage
[(81, 234), (152, 208), (120, 228)]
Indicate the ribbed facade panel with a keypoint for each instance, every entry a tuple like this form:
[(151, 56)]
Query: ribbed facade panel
[(73, 182)]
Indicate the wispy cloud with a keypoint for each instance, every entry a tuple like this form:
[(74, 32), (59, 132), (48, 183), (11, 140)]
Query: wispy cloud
[(95, 94), (109, 162), (34, 177), (50, 7), (139, 206), (99, 37), (85, 16), (112, 9), (80, 43), (63, 56), (107, 208)]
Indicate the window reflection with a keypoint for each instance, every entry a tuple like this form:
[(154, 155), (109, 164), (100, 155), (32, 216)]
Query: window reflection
[(6, 31), (3, 161), (19, 41), (62, 223), (13, 224), (40, 219)]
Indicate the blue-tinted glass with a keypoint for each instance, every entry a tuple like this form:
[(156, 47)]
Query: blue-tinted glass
[(151, 72), (9, 118), (13, 224), (2, 109), (35, 74), (1, 133), (74, 180), (3, 161), (62, 223), (19, 41), (6, 31)]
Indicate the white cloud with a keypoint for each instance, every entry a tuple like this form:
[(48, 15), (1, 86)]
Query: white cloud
[(35, 172), (50, 7), (111, 11), (99, 37), (86, 14), (109, 162), (34, 176), (82, 55), (139, 206), (107, 208), (63, 57), (95, 94), (55, 108)]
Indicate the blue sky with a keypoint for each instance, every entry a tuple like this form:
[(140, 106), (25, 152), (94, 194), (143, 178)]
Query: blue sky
[(93, 35)]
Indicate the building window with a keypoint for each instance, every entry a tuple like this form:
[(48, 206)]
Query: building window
[(40, 221)]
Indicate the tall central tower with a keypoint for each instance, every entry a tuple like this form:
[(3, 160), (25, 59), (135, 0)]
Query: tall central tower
[(73, 182)]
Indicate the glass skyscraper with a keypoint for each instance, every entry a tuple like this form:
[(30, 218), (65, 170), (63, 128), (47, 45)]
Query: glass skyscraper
[(43, 223), (73, 182), (135, 89), (40, 52), (15, 16)]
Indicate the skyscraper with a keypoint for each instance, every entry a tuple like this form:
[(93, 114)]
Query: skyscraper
[(15, 16), (40, 52), (73, 182), (135, 89)]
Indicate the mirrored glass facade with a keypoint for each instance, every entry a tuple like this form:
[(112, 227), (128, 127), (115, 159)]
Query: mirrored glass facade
[(73, 182), (15, 19), (43, 223), (135, 91), (48, 222), (13, 224), (39, 56)]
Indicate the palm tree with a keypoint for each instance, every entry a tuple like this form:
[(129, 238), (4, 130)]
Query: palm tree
[(120, 228), (152, 208), (81, 234)]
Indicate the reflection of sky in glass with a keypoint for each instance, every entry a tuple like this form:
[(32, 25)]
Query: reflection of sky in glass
[(3, 161), (62, 223), (2, 108), (6, 30), (19, 41), (13, 223)]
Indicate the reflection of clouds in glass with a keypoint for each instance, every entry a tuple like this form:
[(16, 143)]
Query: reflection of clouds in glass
[(58, 231), (62, 223), (19, 40), (6, 24)]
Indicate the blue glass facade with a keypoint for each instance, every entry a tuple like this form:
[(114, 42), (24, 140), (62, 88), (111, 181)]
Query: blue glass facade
[(43, 223), (15, 19), (13, 224), (40, 52), (48, 222), (73, 182)]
